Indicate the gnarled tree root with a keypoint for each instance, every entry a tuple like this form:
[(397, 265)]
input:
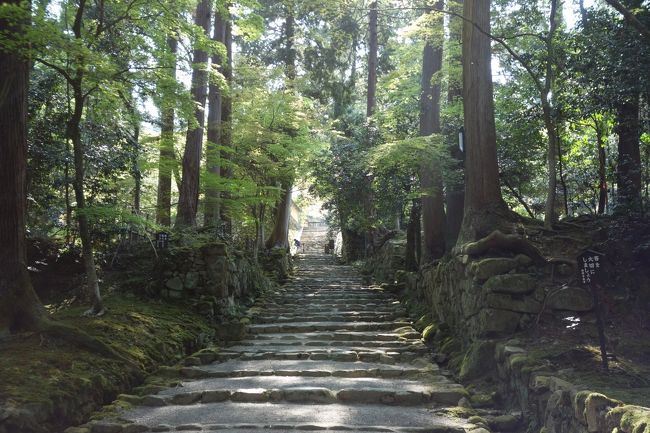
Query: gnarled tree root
[(499, 241)]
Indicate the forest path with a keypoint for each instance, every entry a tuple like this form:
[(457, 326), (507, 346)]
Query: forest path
[(324, 353)]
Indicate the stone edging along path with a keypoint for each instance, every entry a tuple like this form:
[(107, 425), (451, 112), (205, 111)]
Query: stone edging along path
[(323, 353)]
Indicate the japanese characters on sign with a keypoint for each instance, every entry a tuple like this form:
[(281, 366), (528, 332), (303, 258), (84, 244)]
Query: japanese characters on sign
[(162, 240), (590, 265)]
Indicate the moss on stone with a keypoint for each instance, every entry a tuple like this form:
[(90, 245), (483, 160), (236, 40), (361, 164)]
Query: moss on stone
[(59, 383), (429, 332)]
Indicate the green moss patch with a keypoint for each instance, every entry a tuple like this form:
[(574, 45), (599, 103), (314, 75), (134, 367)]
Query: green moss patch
[(58, 383)]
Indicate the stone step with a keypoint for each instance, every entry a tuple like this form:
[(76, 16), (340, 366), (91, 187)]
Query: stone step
[(331, 317), (406, 344), (326, 326), (238, 368), (342, 336), (308, 390), (366, 355), (232, 415), (333, 310), (367, 306)]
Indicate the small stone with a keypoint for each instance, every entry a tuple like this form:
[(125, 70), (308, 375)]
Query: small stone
[(152, 400), (571, 299), (175, 284), (77, 430), (512, 284), (464, 402), (131, 399), (105, 428), (192, 361), (504, 423), (135, 428), (185, 399), (215, 396), (161, 428)]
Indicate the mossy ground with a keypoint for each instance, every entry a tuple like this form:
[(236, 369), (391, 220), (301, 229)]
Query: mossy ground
[(62, 383)]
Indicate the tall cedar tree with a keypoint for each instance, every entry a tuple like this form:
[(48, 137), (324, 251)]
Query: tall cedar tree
[(485, 209), (188, 200), (433, 210), (20, 308), (279, 237), (166, 156), (455, 192), (212, 197)]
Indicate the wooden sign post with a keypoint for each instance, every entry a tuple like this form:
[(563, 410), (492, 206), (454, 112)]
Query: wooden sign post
[(590, 271)]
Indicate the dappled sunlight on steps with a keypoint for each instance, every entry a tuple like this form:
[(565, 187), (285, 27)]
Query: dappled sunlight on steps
[(324, 353)]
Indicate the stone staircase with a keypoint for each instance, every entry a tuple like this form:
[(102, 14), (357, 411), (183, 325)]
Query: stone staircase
[(324, 353), (313, 240)]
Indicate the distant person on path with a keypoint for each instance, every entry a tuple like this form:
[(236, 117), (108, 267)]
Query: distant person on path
[(298, 245)]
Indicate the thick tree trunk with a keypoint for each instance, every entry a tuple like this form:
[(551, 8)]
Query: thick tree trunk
[(372, 59), (455, 192), (485, 209), (167, 159), (226, 127), (433, 210), (188, 200), (20, 308), (628, 174), (279, 237), (213, 155)]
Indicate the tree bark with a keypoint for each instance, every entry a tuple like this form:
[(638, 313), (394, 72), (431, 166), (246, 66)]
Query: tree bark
[(189, 194), (433, 210), (372, 59), (602, 165), (73, 132), (213, 155), (20, 308), (484, 209), (279, 237), (226, 127), (550, 122), (455, 195), (412, 245), (167, 159), (628, 173)]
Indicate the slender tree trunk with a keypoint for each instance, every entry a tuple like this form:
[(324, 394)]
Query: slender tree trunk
[(73, 132), (455, 196), (560, 166), (485, 209), (137, 173), (412, 231), (602, 173), (372, 59), (628, 174), (189, 194), (20, 308), (167, 158), (280, 235), (433, 210), (213, 155), (226, 126), (550, 121)]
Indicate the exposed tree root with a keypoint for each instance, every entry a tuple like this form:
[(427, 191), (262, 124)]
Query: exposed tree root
[(499, 241)]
